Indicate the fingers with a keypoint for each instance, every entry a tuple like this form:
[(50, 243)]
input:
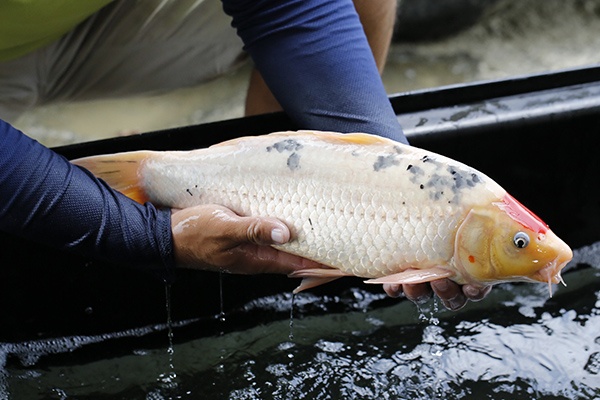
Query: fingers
[(475, 293), (262, 231), (419, 293), (453, 296), (266, 259), (450, 293), (392, 290)]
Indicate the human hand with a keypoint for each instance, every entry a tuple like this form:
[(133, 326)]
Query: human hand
[(453, 296), (215, 238)]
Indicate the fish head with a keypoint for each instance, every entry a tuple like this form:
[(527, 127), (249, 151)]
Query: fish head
[(505, 242)]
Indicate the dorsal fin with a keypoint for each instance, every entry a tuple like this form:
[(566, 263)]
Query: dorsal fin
[(353, 138), (332, 137)]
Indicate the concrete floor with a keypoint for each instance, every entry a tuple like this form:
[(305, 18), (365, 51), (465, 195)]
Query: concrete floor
[(514, 37)]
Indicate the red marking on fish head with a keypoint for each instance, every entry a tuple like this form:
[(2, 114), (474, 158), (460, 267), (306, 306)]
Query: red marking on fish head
[(471, 259), (521, 214)]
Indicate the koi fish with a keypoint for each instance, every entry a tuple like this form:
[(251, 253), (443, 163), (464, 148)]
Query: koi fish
[(359, 204)]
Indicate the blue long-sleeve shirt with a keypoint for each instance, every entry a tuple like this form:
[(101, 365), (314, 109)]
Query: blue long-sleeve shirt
[(45, 198), (315, 58)]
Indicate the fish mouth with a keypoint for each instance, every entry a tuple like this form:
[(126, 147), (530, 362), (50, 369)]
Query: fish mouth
[(551, 272)]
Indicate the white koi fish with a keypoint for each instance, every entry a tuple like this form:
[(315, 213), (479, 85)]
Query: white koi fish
[(363, 205)]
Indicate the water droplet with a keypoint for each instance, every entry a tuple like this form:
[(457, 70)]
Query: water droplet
[(221, 317), (291, 335)]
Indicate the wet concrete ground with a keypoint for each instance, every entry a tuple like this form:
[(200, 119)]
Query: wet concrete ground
[(513, 37)]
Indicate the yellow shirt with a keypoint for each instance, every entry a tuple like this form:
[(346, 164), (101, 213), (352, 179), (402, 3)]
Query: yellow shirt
[(26, 25)]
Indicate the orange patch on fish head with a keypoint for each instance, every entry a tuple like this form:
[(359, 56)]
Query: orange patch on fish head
[(509, 243)]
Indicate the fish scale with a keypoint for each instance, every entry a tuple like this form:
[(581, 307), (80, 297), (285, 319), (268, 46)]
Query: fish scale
[(363, 205)]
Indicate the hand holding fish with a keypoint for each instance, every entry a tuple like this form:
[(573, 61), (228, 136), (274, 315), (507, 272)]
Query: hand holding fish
[(215, 238)]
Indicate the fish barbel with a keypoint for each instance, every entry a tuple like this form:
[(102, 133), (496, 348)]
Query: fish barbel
[(360, 204)]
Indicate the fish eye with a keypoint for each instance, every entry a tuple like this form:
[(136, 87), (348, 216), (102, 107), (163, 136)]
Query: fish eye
[(521, 240)]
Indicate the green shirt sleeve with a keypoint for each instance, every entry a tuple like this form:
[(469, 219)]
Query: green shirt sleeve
[(26, 25)]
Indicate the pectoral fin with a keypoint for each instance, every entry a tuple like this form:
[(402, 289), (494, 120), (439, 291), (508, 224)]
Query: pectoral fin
[(412, 276), (313, 277)]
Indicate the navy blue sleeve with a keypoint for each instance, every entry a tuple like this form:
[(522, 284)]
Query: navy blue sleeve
[(46, 199), (315, 58)]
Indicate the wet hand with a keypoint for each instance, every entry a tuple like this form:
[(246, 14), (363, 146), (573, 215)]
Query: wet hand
[(453, 295), (215, 238)]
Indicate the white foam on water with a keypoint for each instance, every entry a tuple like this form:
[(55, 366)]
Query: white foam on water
[(586, 255)]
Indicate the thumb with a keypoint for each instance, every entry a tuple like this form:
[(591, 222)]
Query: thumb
[(262, 231)]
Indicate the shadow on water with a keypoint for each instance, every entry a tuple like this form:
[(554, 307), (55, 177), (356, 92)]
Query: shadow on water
[(516, 344)]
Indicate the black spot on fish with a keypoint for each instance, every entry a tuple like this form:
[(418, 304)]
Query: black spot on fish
[(445, 184), (417, 171), (417, 174), (385, 162), (459, 181), (293, 161), (311, 225), (286, 145), (409, 167), (189, 192)]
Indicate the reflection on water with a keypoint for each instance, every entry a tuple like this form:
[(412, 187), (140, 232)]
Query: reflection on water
[(516, 344)]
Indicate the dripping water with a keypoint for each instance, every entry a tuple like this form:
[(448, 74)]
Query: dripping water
[(432, 334), (221, 316), (291, 335), (167, 379)]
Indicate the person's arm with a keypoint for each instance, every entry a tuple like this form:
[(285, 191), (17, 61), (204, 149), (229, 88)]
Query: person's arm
[(46, 199), (315, 58)]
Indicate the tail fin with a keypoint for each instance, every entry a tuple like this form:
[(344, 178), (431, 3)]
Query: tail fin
[(120, 171)]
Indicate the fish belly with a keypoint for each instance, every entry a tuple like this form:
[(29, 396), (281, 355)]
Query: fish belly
[(369, 211)]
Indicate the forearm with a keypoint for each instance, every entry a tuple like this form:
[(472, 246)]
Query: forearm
[(315, 58), (46, 199), (378, 18)]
